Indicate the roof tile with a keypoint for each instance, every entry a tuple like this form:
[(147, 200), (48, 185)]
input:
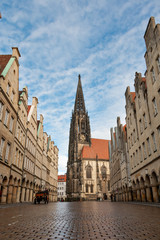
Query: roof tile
[(98, 148)]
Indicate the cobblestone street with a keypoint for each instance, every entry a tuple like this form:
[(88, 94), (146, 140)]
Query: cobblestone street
[(80, 220)]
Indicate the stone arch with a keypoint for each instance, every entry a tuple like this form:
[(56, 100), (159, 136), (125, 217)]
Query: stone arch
[(23, 190), (137, 183), (27, 191), (155, 187), (154, 178), (139, 197), (133, 184), (147, 180), (149, 191), (15, 190), (3, 189), (10, 189), (142, 182)]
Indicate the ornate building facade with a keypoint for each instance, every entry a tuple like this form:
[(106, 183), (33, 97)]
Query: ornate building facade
[(88, 158), (28, 157), (143, 125), (120, 180)]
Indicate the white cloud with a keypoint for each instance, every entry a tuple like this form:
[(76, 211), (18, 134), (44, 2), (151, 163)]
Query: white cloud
[(103, 41)]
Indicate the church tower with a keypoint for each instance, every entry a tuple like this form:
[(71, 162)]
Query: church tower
[(79, 136)]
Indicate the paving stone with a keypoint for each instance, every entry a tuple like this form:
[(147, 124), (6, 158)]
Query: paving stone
[(80, 221)]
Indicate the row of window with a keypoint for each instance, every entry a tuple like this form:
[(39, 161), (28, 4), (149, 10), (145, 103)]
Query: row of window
[(142, 125), (89, 187), (5, 154), (20, 135), (38, 171), (146, 150), (61, 183), (60, 188), (10, 92), (18, 158), (153, 75), (61, 193), (8, 120), (89, 172), (30, 146), (29, 165)]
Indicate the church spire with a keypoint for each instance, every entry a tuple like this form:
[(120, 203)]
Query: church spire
[(79, 101)]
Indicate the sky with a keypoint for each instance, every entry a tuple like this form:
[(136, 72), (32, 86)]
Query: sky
[(60, 39)]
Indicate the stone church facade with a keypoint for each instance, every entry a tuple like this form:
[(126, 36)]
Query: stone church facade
[(88, 158)]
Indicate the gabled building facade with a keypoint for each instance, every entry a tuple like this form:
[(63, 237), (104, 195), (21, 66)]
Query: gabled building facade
[(120, 181), (27, 162), (143, 122), (86, 158)]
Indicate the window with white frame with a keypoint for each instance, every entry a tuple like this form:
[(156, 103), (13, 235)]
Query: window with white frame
[(11, 124), (134, 160), (140, 154), (1, 109), (12, 96), (158, 63), (137, 157), (149, 146), (139, 102), (153, 75), (131, 161), (6, 117), (15, 156), (2, 147), (154, 142), (144, 121), (7, 152), (154, 106), (134, 135), (8, 88), (144, 150), (141, 126)]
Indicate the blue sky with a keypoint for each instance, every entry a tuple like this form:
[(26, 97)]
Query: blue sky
[(101, 40)]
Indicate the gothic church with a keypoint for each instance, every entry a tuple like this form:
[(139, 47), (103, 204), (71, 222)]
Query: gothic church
[(88, 158)]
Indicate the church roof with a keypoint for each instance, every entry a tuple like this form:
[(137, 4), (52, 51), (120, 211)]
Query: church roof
[(99, 148)]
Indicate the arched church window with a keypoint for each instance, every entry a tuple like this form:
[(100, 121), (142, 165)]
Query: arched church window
[(91, 188), (83, 127), (103, 171), (89, 172), (86, 188)]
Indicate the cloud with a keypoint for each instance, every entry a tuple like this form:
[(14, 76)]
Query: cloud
[(103, 41)]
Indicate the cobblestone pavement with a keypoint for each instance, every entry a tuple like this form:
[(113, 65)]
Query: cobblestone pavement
[(80, 220)]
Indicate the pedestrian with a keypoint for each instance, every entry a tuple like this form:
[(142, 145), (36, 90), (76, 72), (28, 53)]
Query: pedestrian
[(111, 197)]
